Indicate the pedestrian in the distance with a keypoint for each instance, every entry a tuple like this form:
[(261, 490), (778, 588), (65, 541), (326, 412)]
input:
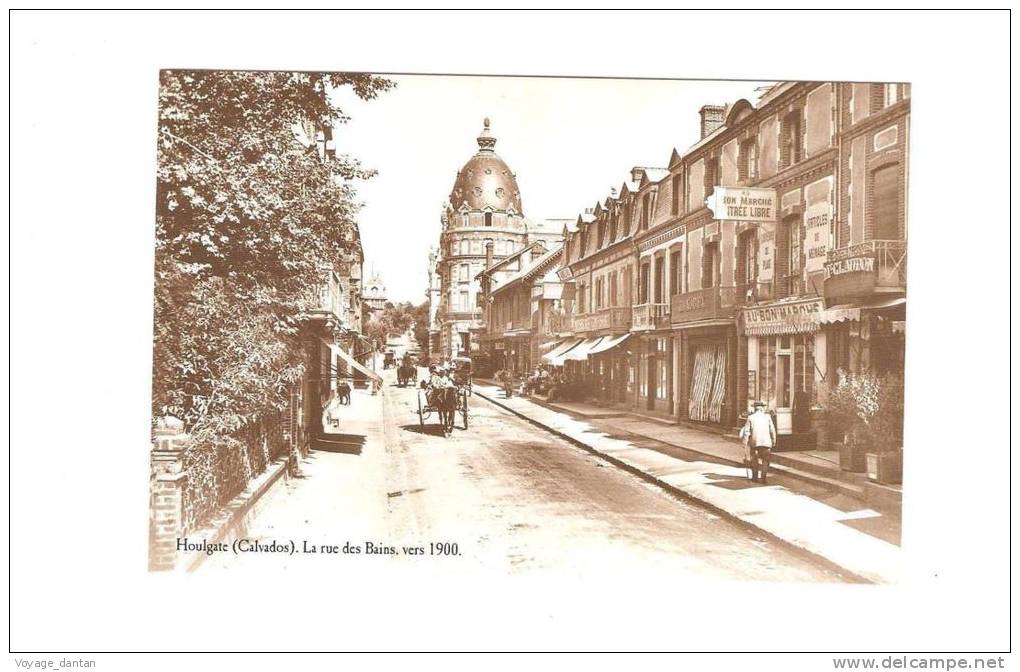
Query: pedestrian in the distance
[(759, 433)]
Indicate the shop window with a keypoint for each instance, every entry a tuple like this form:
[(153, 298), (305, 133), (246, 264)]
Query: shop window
[(748, 164), (885, 202), (791, 140)]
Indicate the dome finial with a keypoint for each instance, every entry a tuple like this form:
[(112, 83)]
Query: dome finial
[(486, 142)]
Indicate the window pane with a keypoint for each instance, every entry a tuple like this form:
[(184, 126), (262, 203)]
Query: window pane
[(886, 204)]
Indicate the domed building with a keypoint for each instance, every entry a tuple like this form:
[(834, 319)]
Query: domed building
[(374, 295), (482, 223)]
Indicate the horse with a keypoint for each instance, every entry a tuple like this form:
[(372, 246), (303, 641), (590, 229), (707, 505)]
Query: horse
[(406, 373), (444, 401)]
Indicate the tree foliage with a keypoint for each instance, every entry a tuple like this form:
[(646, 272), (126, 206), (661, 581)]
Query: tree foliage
[(247, 219), (392, 320)]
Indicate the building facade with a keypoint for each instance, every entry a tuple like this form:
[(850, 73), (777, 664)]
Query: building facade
[(721, 312), (482, 223), (484, 207)]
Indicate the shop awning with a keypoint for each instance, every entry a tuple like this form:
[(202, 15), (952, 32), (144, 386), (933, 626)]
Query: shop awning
[(549, 345), (608, 343), (885, 303), (841, 313), (555, 356), (849, 312), (344, 355), (581, 351)]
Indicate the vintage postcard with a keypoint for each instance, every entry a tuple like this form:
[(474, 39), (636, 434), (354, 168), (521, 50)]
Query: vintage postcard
[(530, 324)]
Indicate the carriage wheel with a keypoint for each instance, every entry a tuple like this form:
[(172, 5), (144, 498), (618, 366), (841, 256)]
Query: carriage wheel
[(421, 416), (465, 412)]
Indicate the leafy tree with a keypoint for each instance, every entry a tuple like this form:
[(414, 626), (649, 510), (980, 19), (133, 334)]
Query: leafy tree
[(392, 320), (247, 218)]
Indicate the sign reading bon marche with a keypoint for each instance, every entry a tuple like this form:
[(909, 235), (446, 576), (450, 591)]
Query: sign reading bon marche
[(743, 204)]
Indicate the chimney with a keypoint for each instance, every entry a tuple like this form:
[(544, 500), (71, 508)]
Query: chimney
[(488, 254), (712, 117), (637, 172)]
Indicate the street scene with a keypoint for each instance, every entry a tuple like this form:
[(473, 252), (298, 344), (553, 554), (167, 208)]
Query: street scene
[(696, 370)]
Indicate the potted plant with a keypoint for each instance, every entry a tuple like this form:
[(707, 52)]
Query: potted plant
[(843, 421), (884, 429)]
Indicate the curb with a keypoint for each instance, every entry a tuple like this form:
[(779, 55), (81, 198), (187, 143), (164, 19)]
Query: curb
[(688, 497), (786, 470)]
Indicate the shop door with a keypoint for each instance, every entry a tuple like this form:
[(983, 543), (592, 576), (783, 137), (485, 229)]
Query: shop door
[(784, 386)]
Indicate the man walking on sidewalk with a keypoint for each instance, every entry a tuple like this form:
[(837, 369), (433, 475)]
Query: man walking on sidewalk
[(759, 434)]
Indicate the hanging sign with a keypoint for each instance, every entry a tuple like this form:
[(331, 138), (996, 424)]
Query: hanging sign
[(743, 204)]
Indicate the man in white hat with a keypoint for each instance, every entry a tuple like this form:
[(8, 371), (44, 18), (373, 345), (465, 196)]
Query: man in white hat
[(759, 434)]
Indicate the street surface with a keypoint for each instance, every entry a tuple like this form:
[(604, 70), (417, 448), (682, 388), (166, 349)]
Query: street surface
[(508, 494)]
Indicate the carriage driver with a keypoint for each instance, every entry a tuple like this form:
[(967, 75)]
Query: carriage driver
[(439, 380)]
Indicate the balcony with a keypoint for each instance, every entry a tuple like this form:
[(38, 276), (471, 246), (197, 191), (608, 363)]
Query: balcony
[(871, 267), (648, 316), (329, 308), (604, 319), (705, 304)]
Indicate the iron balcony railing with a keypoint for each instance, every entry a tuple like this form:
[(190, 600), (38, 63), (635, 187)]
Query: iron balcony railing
[(650, 316), (874, 265)]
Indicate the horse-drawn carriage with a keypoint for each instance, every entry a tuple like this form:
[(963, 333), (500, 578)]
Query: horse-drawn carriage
[(445, 402), (407, 373)]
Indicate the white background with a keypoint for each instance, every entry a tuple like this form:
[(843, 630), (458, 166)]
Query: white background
[(83, 116)]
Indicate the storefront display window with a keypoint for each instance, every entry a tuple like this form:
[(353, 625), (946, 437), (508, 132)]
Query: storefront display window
[(786, 367)]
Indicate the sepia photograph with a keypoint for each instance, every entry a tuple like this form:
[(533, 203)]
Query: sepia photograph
[(338, 334), (473, 364)]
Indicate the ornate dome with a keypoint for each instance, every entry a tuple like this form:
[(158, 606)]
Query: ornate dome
[(485, 180)]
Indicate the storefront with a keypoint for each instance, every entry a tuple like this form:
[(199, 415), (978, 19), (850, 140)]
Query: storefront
[(610, 364), (517, 353), (786, 362), (866, 337), (708, 373), (654, 386)]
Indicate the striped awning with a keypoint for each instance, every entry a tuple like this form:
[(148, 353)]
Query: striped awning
[(582, 350), (555, 356), (609, 342), (549, 345)]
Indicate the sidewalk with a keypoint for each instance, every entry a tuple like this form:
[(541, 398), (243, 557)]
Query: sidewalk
[(707, 467)]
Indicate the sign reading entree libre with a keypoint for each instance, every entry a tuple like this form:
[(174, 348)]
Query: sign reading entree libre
[(743, 204)]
